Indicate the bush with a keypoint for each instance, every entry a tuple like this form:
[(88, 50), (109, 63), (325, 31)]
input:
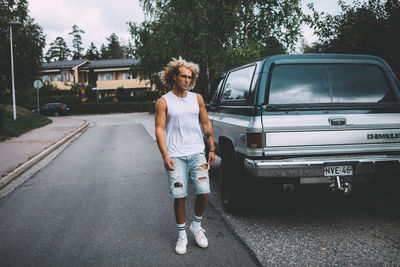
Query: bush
[(90, 94), (48, 89), (147, 96), (62, 92), (122, 94), (106, 99)]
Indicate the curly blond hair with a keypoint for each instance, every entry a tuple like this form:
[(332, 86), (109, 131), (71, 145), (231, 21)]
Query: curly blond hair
[(167, 75)]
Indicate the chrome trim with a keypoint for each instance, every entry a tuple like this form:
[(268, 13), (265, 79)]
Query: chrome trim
[(329, 150), (324, 160), (314, 166)]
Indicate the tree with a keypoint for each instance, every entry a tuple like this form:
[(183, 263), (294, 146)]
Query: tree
[(104, 54), (28, 44), (58, 50), (371, 27), (114, 48), (216, 34), (128, 50), (77, 42), (92, 78), (92, 53)]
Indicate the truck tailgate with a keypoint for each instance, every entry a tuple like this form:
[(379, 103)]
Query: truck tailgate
[(332, 131)]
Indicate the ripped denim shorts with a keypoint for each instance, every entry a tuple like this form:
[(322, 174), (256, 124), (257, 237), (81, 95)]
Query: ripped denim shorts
[(193, 167)]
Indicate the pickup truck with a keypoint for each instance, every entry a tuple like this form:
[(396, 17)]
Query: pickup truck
[(306, 119)]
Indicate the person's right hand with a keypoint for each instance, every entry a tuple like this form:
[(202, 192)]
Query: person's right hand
[(169, 163)]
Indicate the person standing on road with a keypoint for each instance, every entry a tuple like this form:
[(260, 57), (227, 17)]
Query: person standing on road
[(180, 122)]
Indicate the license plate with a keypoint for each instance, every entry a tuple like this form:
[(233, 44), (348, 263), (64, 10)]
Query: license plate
[(339, 170)]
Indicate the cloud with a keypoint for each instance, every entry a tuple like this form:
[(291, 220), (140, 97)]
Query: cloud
[(98, 18)]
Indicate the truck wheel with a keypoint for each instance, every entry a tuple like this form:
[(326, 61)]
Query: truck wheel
[(228, 181), (56, 114)]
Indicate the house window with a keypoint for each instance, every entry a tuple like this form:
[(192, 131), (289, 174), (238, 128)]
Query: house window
[(59, 79), (108, 76), (126, 76), (45, 78), (101, 77), (51, 78)]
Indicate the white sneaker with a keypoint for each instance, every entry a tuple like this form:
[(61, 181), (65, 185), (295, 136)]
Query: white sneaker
[(200, 237), (181, 244)]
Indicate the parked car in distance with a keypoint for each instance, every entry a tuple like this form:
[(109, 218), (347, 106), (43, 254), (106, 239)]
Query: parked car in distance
[(307, 119), (53, 109)]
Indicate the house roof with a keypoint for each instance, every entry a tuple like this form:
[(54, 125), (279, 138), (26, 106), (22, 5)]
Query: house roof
[(95, 64), (65, 64), (110, 63)]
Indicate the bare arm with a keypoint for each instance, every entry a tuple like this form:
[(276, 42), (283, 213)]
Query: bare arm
[(160, 121), (207, 129)]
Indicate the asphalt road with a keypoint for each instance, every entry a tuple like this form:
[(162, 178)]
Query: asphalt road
[(87, 208), (315, 227), (104, 202)]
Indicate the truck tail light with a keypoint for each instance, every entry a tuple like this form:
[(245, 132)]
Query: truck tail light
[(254, 140), (62, 107)]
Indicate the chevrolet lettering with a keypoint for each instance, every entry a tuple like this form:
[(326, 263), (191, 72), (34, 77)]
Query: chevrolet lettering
[(384, 136), (326, 119)]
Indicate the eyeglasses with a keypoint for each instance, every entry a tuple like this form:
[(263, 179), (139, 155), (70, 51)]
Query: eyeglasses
[(185, 76)]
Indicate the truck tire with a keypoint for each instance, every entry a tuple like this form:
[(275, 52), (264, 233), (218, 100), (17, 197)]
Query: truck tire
[(228, 181)]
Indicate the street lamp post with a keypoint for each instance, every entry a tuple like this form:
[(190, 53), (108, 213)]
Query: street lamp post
[(13, 23)]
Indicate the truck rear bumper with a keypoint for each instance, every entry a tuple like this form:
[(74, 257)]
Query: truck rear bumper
[(362, 165)]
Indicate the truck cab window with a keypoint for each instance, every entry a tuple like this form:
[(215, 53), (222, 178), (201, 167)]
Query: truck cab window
[(238, 84)]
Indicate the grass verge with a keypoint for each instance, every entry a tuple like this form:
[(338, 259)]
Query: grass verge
[(26, 121)]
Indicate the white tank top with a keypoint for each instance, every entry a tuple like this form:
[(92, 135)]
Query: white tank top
[(182, 131)]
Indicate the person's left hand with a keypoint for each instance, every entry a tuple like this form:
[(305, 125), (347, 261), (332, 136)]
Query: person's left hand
[(211, 158)]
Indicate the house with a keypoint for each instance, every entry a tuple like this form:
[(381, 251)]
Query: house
[(109, 74), (62, 74)]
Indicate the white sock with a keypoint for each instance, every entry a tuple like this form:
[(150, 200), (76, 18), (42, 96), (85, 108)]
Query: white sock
[(181, 230), (197, 222)]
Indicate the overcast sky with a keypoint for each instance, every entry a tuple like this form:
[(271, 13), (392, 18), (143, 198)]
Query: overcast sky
[(100, 18)]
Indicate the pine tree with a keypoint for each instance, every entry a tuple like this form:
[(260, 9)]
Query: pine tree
[(114, 47), (113, 50), (92, 53), (104, 54), (77, 42), (58, 50)]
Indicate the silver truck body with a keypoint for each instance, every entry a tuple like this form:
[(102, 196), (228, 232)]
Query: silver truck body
[(312, 143)]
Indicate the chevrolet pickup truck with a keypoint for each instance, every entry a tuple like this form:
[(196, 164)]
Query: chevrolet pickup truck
[(306, 119)]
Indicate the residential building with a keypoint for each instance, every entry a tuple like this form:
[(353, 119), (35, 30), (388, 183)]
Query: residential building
[(62, 74), (110, 74)]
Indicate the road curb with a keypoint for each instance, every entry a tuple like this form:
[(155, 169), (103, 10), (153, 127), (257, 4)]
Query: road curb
[(25, 166)]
